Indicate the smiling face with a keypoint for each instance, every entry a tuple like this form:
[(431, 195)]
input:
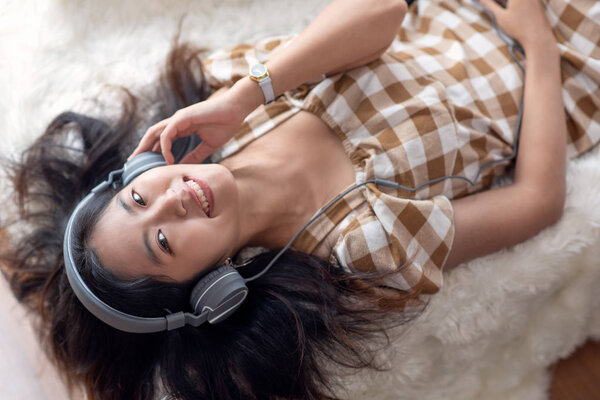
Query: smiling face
[(158, 225)]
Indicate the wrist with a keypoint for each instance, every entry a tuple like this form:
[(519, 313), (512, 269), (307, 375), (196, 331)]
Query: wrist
[(246, 95), (545, 47)]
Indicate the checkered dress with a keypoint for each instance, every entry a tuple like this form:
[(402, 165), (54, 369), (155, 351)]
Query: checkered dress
[(443, 100)]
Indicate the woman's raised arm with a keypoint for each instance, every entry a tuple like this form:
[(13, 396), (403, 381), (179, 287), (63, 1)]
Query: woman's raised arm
[(346, 34), (489, 221)]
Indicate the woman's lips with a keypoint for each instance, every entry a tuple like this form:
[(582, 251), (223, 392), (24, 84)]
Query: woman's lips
[(195, 197), (207, 193)]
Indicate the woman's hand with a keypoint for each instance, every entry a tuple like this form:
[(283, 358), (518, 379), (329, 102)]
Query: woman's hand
[(214, 120), (524, 20)]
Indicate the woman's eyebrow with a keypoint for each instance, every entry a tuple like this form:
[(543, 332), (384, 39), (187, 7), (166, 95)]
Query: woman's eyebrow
[(124, 206), (147, 246)]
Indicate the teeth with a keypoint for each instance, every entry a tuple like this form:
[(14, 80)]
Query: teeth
[(198, 189)]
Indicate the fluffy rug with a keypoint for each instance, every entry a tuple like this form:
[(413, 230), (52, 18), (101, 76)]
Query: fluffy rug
[(492, 331)]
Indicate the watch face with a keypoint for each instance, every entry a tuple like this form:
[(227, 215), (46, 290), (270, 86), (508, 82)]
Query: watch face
[(258, 70)]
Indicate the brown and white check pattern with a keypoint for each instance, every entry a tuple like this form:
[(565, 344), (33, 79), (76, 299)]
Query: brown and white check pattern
[(443, 100)]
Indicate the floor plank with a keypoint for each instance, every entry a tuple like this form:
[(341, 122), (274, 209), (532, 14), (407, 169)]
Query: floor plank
[(578, 377)]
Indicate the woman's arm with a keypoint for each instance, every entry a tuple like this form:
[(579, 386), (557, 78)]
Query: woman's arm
[(346, 34), (489, 221)]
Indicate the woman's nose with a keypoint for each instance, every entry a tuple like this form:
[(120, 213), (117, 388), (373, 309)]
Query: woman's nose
[(171, 202)]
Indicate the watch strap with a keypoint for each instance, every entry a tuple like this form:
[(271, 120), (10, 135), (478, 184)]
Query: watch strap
[(267, 89)]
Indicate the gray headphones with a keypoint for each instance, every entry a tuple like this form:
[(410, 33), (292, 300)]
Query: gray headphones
[(216, 296)]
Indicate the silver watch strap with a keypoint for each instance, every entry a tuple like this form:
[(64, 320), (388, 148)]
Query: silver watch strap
[(267, 89)]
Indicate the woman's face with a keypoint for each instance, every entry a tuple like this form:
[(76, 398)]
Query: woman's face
[(158, 226)]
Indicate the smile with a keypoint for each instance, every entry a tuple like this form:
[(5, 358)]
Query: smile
[(202, 194)]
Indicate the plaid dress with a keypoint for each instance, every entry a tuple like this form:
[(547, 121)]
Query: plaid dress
[(442, 100)]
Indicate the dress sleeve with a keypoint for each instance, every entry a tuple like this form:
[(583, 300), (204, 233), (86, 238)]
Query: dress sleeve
[(411, 236), (224, 67)]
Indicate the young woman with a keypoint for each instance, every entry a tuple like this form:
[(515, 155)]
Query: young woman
[(357, 97)]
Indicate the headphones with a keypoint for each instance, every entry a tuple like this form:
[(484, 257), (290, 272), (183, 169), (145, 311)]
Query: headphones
[(221, 292), (216, 296)]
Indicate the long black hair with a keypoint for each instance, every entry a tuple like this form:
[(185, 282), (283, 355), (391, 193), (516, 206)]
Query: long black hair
[(301, 322)]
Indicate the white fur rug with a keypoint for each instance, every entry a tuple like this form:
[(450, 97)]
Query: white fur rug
[(492, 331)]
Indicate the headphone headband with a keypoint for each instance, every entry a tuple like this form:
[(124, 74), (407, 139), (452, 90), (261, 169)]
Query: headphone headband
[(104, 312)]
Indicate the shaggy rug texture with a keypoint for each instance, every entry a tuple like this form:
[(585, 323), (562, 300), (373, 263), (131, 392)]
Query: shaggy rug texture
[(491, 332)]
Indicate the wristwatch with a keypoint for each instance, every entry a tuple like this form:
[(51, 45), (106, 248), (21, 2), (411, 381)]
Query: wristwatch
[(259, 73)]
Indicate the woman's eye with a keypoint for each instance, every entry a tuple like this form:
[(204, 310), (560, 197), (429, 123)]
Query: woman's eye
[(162, 241), (137, 198)]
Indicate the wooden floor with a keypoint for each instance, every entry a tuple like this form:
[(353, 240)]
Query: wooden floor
[(578, 377)]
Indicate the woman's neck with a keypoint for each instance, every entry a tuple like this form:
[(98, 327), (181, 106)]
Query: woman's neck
[(274, 199), (285, 176)]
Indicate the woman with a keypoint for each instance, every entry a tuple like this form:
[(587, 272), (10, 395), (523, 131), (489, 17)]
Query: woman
[(303, 306)]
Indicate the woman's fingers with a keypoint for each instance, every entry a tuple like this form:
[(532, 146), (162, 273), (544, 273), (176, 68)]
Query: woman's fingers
[(165, 145), (524, 20), (199, 154), (150, 139), (494, 7), (213, 122), (179, 126)]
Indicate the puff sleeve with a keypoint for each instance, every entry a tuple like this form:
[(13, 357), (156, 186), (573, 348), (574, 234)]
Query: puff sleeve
[(411, 236)]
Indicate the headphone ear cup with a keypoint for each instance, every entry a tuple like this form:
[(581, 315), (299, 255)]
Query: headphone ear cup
[(140, 164), (183, 146), (220, 292)]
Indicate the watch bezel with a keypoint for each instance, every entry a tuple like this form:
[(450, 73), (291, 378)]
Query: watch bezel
[(257, 77)]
